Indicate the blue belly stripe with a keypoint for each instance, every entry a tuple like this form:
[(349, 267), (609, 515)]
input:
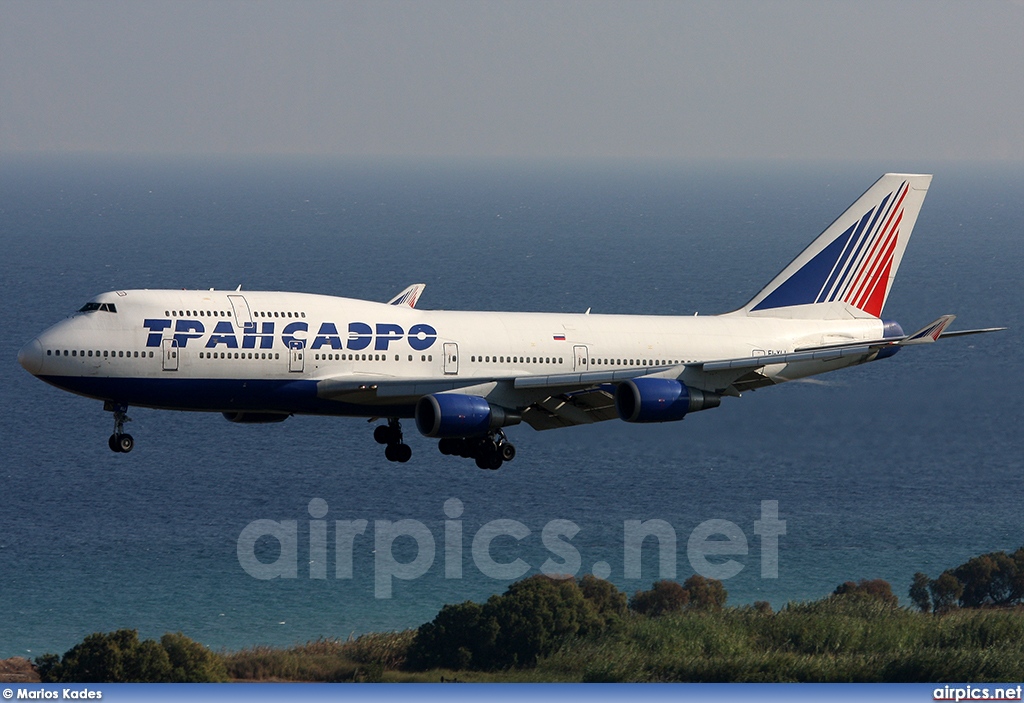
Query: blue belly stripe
[(221, 395)]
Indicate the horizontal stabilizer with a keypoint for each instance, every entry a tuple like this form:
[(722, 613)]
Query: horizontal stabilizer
[(929, 333)]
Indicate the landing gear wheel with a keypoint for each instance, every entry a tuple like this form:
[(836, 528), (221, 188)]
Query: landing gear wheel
[(508, 451), (400, 453), (382, 434), (119, 441), (125, 443)]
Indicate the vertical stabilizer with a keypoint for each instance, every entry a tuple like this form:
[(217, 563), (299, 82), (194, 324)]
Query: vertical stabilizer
[(849, 269)]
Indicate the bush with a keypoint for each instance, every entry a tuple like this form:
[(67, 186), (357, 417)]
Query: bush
[(529, 621), (664, 597), (696, 593), (705, 594), (874, 589), (119, 657)]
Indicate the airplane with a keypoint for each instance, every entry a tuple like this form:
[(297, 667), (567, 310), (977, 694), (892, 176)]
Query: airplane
[(464, 377)]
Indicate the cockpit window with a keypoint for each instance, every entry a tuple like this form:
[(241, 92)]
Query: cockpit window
[(93, 307)]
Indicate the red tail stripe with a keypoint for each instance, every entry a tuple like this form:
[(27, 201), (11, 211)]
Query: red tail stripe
[(858, 280), (888, 246), (875, 295)]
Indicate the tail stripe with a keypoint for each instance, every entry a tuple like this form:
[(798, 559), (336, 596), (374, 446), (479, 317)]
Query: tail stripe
[(843, 264), (881, 237), (853, 266), (880, 276), (863, 243)]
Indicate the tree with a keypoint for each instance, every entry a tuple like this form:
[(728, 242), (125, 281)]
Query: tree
[(704, 593), (919, 592), (869, 589), (664, 597), (119, 656), (946, 591), (535, 616), (990, 579), (459, 637), (609, 602), (530, 620)]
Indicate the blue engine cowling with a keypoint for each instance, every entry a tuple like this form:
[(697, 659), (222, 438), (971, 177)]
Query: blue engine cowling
[(660, 400), (457, 415)]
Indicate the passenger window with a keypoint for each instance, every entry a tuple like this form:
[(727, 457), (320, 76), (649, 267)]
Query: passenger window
[(49, 352)]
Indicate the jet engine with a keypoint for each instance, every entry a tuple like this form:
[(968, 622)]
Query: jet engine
[(660, 400), (457, 415)]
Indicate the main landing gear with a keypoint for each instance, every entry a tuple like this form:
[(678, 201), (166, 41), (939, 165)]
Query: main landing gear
[(120, 441), (489, 451), (391, 435)]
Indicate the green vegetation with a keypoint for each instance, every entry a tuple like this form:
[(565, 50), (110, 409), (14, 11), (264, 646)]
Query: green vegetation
[(120, 657), (970, 627), (366, 658)]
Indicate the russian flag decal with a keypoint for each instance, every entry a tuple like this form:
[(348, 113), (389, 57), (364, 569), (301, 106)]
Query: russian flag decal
[(559, 337)]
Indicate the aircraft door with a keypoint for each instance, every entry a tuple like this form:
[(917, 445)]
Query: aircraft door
[(170, 354), (451, 358), (241, 310), (581, 358), (295, 354)]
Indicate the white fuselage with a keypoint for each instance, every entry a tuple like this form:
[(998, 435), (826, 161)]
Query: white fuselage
[(267, 351)]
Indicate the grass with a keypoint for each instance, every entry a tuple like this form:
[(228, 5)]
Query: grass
[(831, 640)]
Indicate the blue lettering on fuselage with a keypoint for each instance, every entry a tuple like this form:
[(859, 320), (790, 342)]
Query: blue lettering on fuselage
[(291, 341), (327, 336), (183, 327), (224, 334), (359, 335), (265, 335), (262, 335), (155, 327)]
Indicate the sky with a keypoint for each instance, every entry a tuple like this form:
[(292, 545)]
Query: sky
[(769, 79)]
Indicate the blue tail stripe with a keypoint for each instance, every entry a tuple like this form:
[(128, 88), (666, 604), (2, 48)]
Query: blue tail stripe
[(803, 286), (844, 259), (864, 242)]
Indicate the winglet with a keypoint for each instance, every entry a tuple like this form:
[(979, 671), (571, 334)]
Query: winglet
[(410, 296), (930, 333)]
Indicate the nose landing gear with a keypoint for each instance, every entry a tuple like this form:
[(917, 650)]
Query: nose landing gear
[(391, 435), (119, 442)]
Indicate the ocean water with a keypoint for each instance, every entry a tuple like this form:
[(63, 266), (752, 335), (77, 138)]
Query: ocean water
[(909, 464)]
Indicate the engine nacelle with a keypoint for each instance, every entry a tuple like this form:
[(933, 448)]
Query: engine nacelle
[(255, 418), (457, 415), (660, 400)]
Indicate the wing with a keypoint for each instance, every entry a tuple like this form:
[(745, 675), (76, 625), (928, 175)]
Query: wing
[(561, 400)]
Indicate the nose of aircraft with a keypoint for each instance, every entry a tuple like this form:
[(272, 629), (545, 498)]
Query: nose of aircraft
[(31, 357)]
